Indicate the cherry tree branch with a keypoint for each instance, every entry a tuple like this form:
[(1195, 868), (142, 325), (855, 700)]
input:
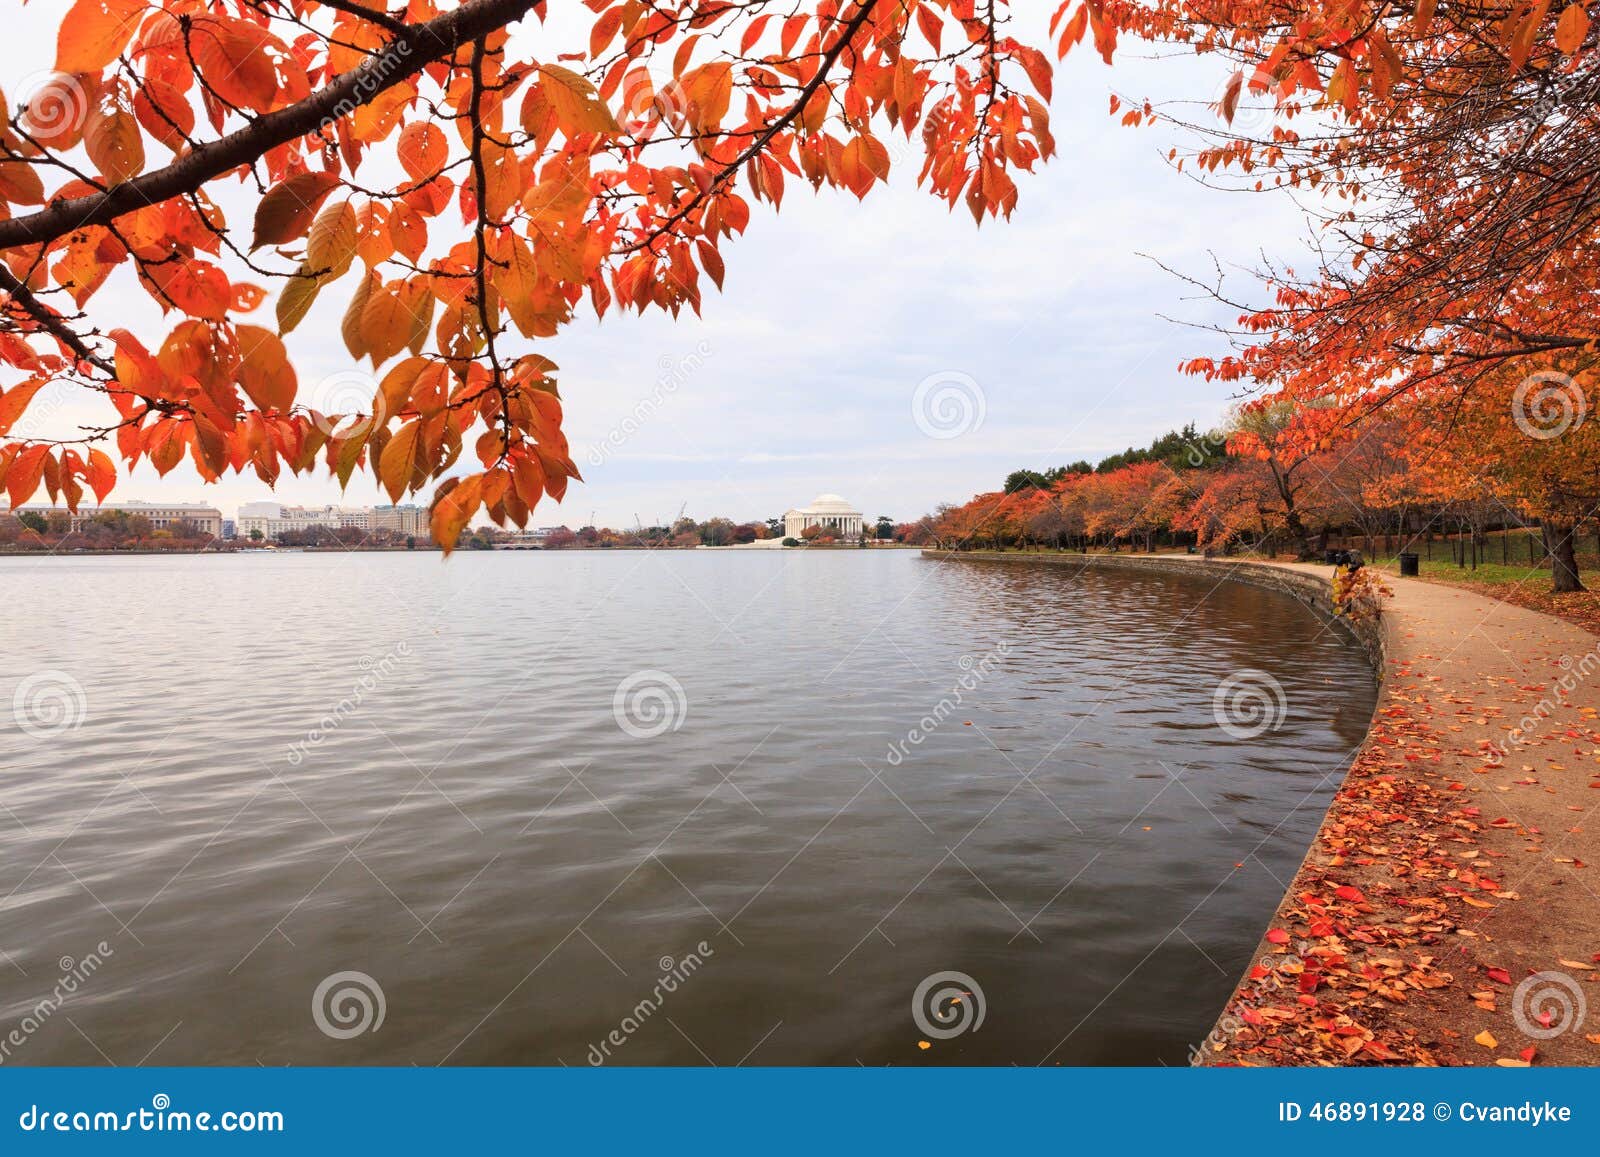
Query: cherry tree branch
[(410, 51)]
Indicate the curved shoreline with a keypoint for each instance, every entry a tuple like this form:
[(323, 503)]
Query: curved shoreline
[(1447, 886)]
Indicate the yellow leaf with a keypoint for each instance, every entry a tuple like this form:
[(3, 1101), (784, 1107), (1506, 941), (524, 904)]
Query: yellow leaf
[(422, 150), (1511, 1063), (331, 244), (295, 300), (577, 106), (1485, 1038), (709, 89), (264, 369), (399, 459), (350, 324), (385, 324), (112, 138), (453, 509), (1575, 964)]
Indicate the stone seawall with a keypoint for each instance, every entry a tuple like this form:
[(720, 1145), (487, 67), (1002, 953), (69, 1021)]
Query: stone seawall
[(1444, 878), (1309, 588)]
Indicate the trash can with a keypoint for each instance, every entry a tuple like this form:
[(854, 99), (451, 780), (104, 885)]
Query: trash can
[(1408, 564), (1332, 557)]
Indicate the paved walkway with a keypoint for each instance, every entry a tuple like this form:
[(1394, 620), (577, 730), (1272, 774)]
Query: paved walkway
[(1449, 909)]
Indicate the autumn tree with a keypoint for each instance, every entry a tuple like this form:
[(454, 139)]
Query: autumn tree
[(1286, 436), (1540, 455), (1449, 154), (1452, 152), (453, 180)]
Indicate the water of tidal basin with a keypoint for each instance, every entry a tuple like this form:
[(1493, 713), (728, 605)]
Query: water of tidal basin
[(469, 825)]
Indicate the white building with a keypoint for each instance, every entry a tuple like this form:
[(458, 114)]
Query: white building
[(828, 511), (407, 519), (203, 519), (274, 518)]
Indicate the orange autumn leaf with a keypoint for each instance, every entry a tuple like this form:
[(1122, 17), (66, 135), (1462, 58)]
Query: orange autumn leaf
[(93, 32), (1572, 29)]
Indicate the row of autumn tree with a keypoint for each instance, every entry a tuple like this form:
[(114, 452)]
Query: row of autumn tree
[(1259, 483), (456, 181), (105, 530), (686, 533)]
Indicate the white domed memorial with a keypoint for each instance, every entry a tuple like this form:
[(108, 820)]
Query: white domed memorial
[(828, 511)]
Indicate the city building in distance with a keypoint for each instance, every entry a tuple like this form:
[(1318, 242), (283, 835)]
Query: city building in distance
[(203, 520), (272, 519)]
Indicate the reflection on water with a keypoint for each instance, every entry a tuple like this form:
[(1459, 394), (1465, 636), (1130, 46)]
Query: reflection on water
[(641, 808)]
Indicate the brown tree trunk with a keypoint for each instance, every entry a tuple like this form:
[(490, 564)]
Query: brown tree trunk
[(1563, 558)]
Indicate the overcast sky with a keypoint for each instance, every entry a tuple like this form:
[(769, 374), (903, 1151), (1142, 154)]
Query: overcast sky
[(804, 375)]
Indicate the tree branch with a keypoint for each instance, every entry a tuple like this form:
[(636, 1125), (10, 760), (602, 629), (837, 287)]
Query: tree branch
[(772, 130), (418, 46)]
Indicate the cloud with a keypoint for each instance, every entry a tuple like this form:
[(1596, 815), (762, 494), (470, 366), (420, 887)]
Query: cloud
[(800, 379)]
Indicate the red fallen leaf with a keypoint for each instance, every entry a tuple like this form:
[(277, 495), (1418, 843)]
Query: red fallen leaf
[(1310, 981), (1528, 1054), (1277, 936), (1499, 975), (1354, 895), (1381, 1051), (1251, 1016), (1322, 928)]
